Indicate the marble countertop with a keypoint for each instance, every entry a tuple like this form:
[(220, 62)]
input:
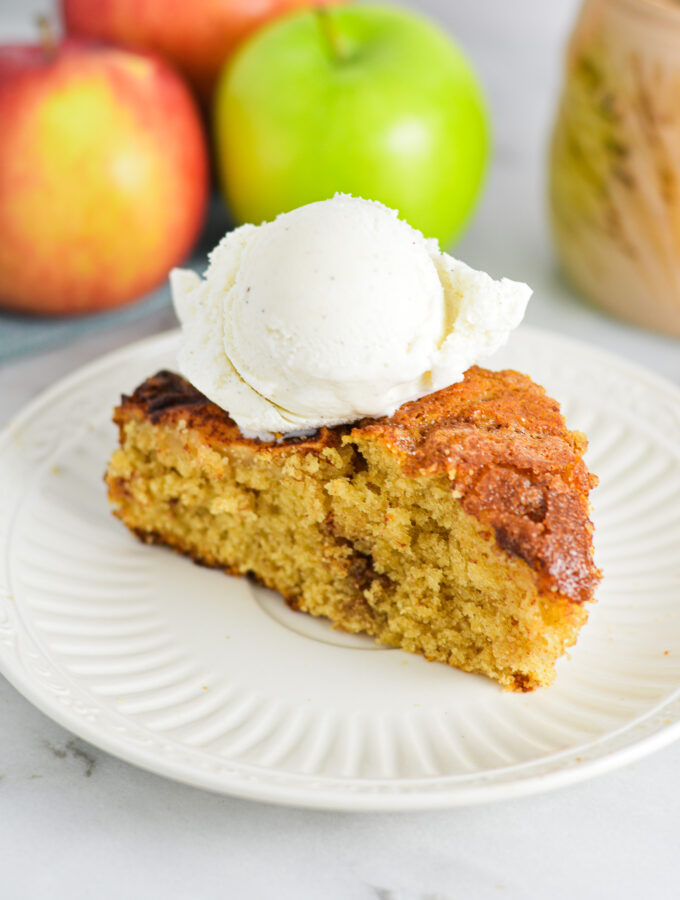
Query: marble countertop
[(78, 823)]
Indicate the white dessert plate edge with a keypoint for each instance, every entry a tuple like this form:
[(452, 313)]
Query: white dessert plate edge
[(49, 684)]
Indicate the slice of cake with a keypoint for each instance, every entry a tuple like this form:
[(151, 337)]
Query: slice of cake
[(457, 528)]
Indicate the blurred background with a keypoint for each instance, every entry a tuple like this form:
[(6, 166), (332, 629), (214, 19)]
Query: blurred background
[(518, 54)]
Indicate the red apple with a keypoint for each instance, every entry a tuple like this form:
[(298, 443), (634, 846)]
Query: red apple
[(197, 36), (103, 176)]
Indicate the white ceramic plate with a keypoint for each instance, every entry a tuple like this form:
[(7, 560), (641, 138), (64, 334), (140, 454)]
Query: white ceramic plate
[(213, 681)]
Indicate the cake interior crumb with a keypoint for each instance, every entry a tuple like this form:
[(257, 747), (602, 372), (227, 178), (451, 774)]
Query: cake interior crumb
[(343, 532)]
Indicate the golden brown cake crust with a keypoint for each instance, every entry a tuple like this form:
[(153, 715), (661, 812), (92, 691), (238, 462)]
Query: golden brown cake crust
[(166, 398), (500, 439), (505, 446)]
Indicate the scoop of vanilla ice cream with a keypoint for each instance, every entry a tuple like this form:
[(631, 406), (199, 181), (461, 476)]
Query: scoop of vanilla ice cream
[(334, 311)]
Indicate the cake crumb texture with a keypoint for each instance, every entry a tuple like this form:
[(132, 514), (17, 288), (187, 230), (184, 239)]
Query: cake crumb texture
[(457, 528)]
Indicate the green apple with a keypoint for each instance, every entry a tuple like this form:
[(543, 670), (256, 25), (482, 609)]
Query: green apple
[(369, 100)]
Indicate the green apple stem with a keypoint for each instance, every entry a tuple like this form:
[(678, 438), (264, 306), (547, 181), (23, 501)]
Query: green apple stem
[(47, 34), (337, 47)]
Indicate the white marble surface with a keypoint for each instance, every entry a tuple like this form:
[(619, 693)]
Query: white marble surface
[(77, 823)]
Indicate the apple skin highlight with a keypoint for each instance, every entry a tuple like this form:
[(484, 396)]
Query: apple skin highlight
[(366, 100), (103, 176)]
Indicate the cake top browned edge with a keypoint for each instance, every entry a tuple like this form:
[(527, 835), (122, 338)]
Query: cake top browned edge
[(500, 439)]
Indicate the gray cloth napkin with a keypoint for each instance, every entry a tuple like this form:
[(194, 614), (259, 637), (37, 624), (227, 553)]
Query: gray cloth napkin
[(20, 335)]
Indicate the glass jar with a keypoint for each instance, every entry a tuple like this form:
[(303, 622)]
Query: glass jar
[(615, 160)]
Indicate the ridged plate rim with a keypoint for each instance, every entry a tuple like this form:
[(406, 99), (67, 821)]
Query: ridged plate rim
[(657, 728)]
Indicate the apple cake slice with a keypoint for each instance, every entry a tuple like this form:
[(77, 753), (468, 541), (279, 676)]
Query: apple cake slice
[(457, 528)]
